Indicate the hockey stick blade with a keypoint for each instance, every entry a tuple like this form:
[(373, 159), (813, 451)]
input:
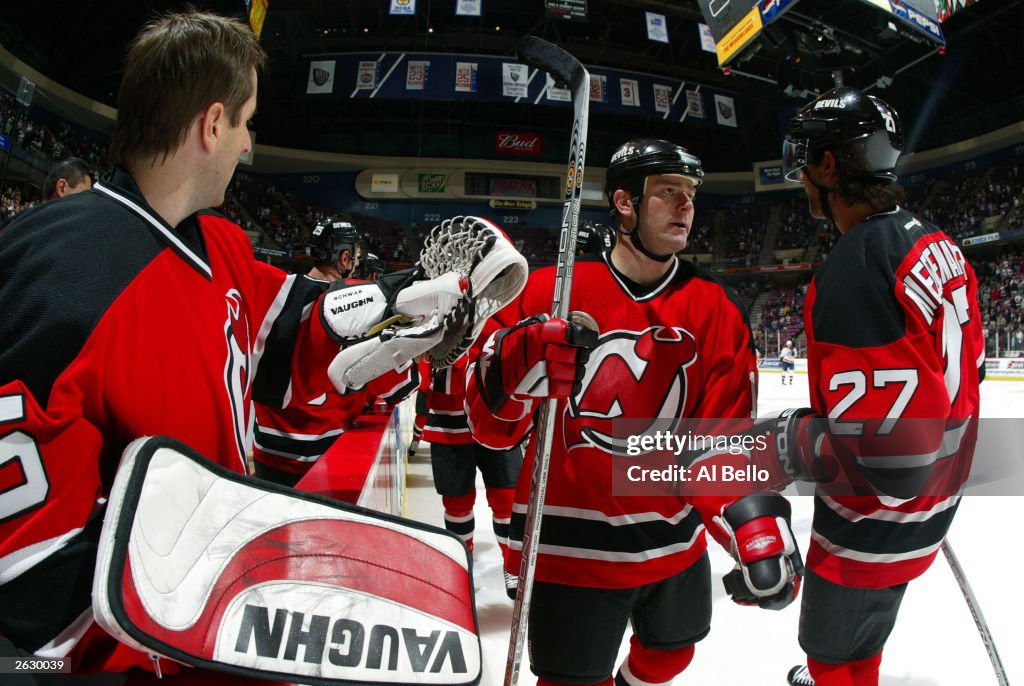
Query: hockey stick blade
[(540, 54)]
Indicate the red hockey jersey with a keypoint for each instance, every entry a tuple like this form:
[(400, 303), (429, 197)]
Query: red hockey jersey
[(292, 438), (893, 333), (116, 325), (680, 348), (446, 411)]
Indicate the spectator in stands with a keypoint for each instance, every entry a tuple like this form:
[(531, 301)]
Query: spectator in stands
[(67, 177)]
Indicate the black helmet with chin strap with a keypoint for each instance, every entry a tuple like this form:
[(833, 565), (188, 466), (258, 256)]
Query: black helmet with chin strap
[(639, 158)]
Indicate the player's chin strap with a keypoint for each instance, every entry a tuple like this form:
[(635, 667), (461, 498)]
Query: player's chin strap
[(634, 235), (823, 192)]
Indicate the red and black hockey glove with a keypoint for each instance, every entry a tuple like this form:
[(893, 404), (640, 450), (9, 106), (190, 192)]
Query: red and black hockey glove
[(797, 449), (756, 531), (539, 357)]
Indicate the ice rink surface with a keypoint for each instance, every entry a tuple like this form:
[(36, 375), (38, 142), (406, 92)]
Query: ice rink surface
[(935, 643)]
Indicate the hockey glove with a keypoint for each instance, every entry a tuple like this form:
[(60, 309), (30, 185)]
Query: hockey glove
[(415, 323), (354, 313), (537, 358), (798, 447), (756, 530)]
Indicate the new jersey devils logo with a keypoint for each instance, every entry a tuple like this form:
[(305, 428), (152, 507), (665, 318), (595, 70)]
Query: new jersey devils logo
[(238, 370), (630, 375)]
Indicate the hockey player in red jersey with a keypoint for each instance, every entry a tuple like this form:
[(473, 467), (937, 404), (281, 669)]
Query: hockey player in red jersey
[(455, 458), (129, 311), (289, 440), (334, 246), (674, 343), (895, 355)]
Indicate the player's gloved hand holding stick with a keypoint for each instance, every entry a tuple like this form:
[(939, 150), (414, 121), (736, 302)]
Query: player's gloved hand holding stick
[(802, 451), (540, 357), (756, 530)]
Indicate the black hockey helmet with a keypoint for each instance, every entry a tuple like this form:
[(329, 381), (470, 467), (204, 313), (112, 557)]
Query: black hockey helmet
[(329, 237), (370, 264), (639, 158), (593, 238), (845, 116)]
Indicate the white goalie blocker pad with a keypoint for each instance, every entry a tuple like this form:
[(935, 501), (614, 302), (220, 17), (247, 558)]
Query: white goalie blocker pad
[(220, 571), (476, 250)]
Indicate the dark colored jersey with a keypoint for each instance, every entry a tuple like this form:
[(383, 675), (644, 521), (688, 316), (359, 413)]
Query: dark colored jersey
[(116, 325), (893, 334), (680, 348)]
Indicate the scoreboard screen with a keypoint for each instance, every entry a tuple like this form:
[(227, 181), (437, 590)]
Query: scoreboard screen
[(574, 10), (722, 15)]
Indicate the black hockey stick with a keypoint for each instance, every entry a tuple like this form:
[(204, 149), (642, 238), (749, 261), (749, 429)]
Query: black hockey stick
[(566, 71), (975, 608)]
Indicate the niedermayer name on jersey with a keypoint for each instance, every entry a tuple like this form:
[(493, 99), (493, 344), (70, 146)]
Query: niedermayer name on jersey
[(938, 264)]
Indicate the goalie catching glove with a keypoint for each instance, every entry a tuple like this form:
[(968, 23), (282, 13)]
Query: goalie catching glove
[(755, 530), (471, 271)]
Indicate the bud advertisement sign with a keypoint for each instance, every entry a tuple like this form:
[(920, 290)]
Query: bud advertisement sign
[(518, 142)]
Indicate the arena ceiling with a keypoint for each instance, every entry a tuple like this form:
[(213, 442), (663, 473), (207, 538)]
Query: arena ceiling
[(975, 87)]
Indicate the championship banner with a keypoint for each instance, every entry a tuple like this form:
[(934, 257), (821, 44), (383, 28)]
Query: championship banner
[(465, 77), (628, 90), (469, 8), (514, 80), (707, 41), (657, 28), (366, 75), (662, 98), (553, 92), (694, 105), (725, 110), (598, 88), (321, 76), (416, 74), (403, 7)]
